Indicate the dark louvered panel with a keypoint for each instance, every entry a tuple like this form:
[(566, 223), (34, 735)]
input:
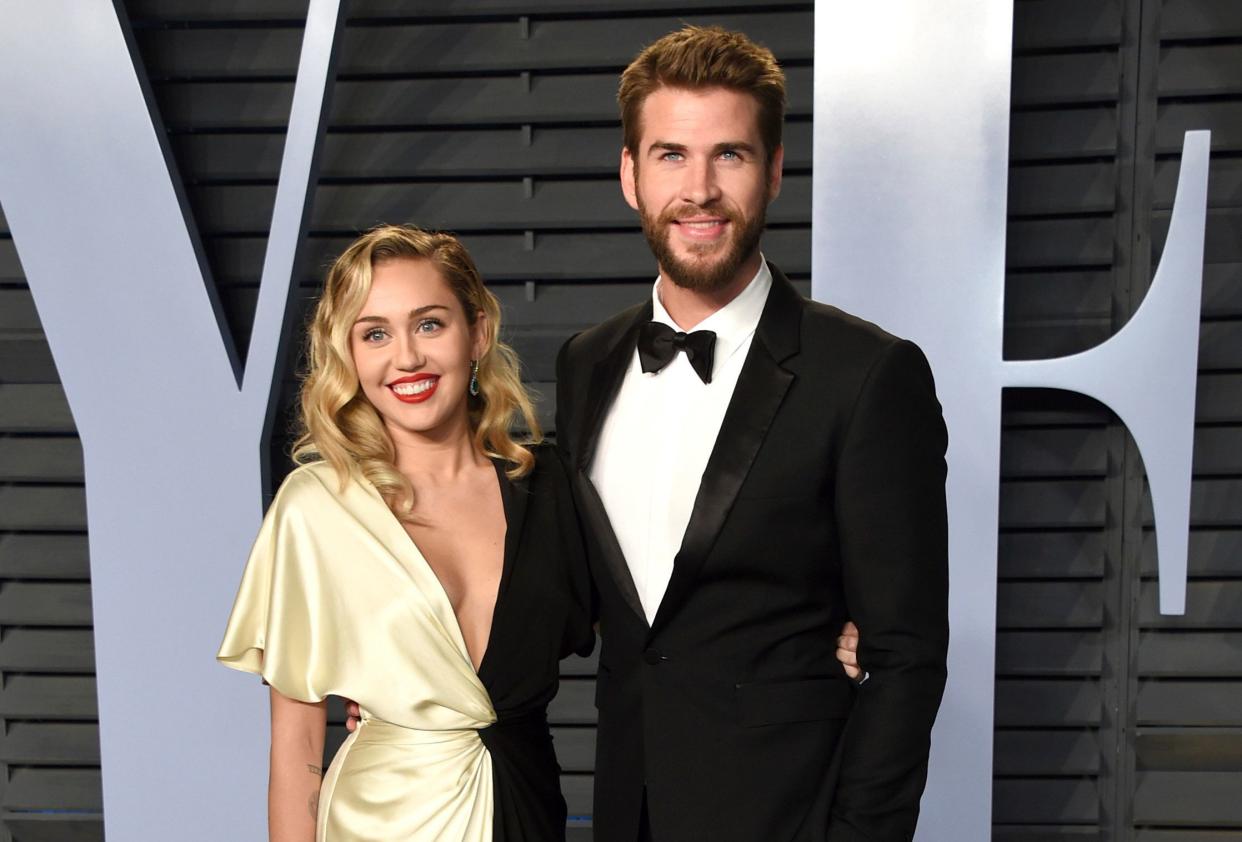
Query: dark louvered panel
[(1059, 490), (1188, 761)]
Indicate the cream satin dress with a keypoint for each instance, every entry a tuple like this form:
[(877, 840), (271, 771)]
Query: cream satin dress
[(337, 600)]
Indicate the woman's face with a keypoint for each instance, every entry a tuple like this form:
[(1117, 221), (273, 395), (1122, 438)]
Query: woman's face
[(412, 348)]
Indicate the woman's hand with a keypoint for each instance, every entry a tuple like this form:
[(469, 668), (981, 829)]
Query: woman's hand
[(847, 651)]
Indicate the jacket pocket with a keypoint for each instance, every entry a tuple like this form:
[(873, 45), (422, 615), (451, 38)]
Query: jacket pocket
[(806, 700)]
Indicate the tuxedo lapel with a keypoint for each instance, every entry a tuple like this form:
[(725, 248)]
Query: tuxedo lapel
[(761, 387), (607, 375)]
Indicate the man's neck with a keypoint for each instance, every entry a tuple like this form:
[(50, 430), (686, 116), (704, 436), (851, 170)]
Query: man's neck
[(689, 307)]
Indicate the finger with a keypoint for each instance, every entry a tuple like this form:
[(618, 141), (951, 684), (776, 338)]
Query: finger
[(850, 643), (852, 672), (847, 657), (849, 629), (351, 724), (351, 709)]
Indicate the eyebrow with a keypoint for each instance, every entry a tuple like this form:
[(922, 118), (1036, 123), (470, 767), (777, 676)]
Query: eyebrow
[(669, 146), (413, 314)]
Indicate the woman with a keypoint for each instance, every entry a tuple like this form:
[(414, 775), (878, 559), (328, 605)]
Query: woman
[(421, 562)]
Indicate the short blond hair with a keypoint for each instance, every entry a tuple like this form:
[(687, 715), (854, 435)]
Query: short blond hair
[(699, 57)]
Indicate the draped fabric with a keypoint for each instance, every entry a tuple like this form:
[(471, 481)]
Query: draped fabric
[(337, 600)]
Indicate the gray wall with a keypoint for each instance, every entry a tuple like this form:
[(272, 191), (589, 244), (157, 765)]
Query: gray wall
[(1112, 722)]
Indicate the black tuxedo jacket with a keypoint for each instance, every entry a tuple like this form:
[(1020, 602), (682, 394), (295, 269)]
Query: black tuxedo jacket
[(822, 501)]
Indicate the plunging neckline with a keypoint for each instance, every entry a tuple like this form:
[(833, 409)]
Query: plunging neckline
[(442, 594)]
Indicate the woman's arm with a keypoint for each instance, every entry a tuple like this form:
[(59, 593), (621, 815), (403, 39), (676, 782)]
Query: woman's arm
[(297, 754)]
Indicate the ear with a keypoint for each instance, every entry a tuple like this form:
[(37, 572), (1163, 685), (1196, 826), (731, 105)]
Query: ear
[(774, 172), (629, 176), (480, 332)]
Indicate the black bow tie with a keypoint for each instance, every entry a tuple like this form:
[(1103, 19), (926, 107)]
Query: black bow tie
[(658, 344)]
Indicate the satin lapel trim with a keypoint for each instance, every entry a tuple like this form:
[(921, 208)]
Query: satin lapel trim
[(760, 389), (605, 383), (596, 517)]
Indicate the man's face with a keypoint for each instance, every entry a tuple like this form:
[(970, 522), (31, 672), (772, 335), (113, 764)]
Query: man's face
[(701, 184)]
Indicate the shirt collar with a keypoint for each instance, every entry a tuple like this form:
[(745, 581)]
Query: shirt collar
[(733, 323)]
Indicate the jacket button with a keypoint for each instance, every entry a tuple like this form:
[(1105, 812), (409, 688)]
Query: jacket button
[(653, 657)]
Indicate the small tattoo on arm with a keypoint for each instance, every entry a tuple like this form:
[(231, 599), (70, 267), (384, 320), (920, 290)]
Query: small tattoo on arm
[(312, 804), (314, 770)]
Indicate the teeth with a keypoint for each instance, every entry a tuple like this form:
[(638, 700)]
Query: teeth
[(415, 388), (711, 224)]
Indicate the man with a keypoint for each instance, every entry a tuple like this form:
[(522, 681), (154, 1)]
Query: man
[(753, 469)]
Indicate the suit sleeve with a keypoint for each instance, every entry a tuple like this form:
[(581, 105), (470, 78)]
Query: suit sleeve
[(892, 519)]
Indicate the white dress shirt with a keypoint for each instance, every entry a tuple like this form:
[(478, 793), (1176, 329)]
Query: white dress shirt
[(658, 435)]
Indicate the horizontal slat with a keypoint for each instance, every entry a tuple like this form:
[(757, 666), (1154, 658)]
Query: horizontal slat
[(34, 408), (26, 358), (1205, 703), (1040, 341), (1054, 453), (1189, 749), (51, 744), (1047, 653), (1197, 799), (1200, 70), (1213, 503), (1053, 555), (579, 797), (575, 748), (469, 205), (1218, 450), (1063, 134), (434, 48), (1190, 654), (1218, 398), (44, 557), (1209, 605), (1049, 605), (188, 11), (53, 789), (1048, 24), (47, 650), (1200, 19), (574, 703), (29, 459), (31, 507), (1044, 189), (1058, 295), (1220, 346), (1059, 243), (512, 99), (45, 604), (1052, 504), (1044, 801), (1222, 289), (1213, 552), (58, 826), (1037, 833), (17, 309), (1046, 753), (543, 258), (1065, 78), (425, 154), (49, 697)]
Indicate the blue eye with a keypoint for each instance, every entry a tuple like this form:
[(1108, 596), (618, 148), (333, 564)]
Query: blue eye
[(731, 155), (672, 156), (429, 325), (375, 334)]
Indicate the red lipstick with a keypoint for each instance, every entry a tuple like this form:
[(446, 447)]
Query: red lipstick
[(414, 389)]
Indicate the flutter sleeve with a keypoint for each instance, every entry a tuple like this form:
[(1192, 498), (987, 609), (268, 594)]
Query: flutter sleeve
[(279, 627)]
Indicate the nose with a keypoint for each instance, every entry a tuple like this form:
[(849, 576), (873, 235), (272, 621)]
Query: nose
[(699, 186), (409, 355)]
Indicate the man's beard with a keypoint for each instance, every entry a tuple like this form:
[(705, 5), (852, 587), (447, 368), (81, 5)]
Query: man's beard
[(703, 275)]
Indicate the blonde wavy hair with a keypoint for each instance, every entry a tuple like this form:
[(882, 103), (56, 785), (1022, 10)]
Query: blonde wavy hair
[(340, 426)]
